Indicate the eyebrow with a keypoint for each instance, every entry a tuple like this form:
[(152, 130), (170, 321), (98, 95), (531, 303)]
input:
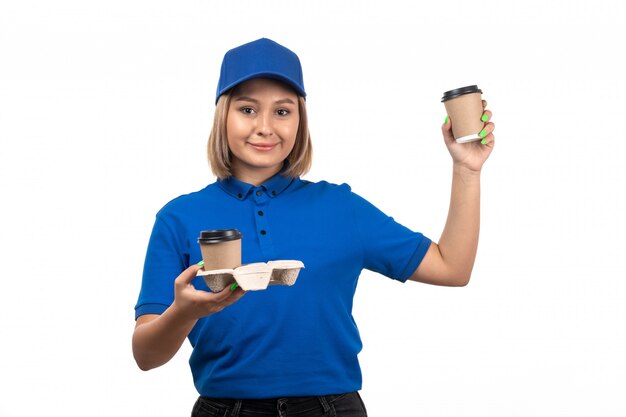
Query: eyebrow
[(253, 100)]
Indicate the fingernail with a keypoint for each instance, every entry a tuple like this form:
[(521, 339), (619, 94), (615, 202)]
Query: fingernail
[(446, 121), (232, 287), (484, 141), (482, 133), (484, 118), (201, 263)]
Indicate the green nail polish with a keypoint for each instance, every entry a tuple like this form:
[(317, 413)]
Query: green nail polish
[(232, 287), (484, 118), (201, 263), (482, 133), (446, 121), (484, 141)]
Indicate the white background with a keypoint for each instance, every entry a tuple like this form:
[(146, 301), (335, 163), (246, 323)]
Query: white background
[(105, 108)]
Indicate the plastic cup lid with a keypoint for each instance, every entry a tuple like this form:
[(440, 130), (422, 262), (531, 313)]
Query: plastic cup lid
[(218, 236), (448, 95)]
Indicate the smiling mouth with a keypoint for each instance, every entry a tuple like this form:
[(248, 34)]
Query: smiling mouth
[(263, 146)]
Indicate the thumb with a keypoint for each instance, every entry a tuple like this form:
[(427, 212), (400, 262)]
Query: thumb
[(188, 274), (446, 129)]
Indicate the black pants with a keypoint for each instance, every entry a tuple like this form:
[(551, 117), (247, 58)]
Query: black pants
[(343, 405)]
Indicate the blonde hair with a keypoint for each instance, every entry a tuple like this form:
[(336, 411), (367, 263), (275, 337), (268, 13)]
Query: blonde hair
[(299, 159)]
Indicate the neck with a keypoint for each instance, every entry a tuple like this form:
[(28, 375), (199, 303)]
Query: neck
[(255, 177)]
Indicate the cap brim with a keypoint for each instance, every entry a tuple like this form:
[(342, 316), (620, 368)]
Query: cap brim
[(264, 74)]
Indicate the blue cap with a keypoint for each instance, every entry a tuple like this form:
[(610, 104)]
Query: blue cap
[(262, 58)]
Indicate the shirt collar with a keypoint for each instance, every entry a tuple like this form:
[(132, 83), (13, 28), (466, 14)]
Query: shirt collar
[(240, 190)]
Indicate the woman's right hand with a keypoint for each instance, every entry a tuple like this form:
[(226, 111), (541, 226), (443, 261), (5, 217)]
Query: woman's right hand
[(195, 304), (157, 338)]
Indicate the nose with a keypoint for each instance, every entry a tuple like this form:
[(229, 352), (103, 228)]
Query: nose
[(264, 125)]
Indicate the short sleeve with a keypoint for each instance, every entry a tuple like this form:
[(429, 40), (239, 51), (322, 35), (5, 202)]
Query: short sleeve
[(165, 260), (389, 248)]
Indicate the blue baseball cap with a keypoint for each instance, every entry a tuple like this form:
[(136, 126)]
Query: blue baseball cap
[(262, 58)]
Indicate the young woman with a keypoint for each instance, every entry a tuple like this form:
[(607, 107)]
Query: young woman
[(287, 350)]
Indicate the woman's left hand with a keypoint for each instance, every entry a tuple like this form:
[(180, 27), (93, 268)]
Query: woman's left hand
[(471, 155)]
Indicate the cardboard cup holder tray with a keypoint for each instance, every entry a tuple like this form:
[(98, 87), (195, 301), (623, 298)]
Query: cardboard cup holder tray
[(253, 277)]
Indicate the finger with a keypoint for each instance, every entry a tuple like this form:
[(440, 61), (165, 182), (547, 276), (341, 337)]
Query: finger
[(224, 298), (483, 134), (213, 300), (489, 127), (234, 296), (188, 275), (486, 116), (446, 129), (220, 296), (489, 139), (484, 104), (487, 133)]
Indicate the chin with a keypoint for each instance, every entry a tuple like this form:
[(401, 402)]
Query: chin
[(264, 164)]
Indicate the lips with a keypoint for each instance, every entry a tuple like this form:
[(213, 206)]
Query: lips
[(263, 147)]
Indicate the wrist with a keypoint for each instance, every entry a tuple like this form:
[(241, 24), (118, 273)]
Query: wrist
[(179, 315), (464, 171)]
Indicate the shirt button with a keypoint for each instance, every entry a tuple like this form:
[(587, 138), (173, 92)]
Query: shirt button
[(260, 212), (239, 195), (263, 232), (259, 193), (273, 192)]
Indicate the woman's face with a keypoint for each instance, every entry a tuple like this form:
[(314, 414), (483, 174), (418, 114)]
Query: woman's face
[(261, 128)]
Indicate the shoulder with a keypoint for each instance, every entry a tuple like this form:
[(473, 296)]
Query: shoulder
[(326, 196), (325, 188), (186, 202), (340, 193)]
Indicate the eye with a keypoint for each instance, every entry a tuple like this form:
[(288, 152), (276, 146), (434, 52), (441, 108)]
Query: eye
[(247, 110), (282, 112)]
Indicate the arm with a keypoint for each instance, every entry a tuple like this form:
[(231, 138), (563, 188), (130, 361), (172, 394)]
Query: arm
[(450, 262), (157, 338)]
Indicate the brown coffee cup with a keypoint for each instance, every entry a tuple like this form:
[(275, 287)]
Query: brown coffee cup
[(221, 249), (465, 108)]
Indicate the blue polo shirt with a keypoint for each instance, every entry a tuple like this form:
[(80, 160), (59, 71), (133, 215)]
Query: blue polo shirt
[(284, 341)]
